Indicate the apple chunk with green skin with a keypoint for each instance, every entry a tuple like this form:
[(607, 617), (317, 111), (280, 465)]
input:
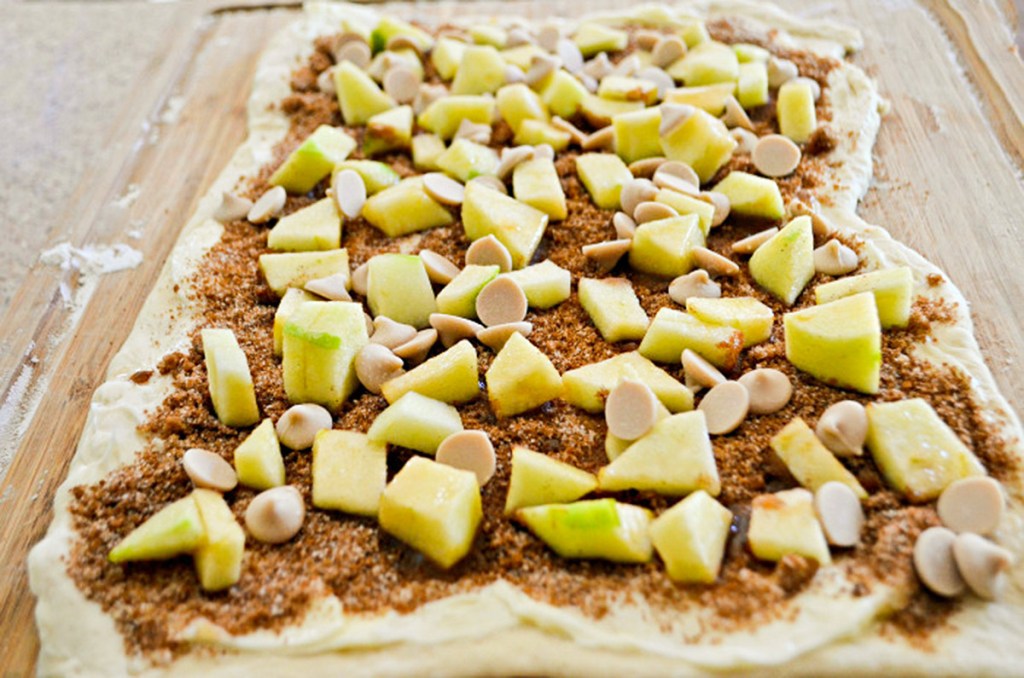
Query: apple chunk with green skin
[(451, 377), (710, 98), (614, 308), (752, 86), (545, 284), (752, 196), (538, 479), (516, 225), (446, 55), (521, 378), (665, 247), (390, 27), (917, 452), (218, 559), (433, 508), (174, 530), (839, 343), (316, 227), (702, 142), (673, 331), (258, 460), (313, 159), (593, 37), (674, 458), (359, 97), (517, 103), (563, 94), (587, 387), (598, 528), (785, 523), (603, 174), (426, 149), (293, 296), (444, 115), (537, 132), (465, 159), (636, 133), (321, 340), (893, 289), (397, 286), (708, 63), (417, 422), (284, 270), (459, 296), (230, 382), (389, 130), (785, 263), (349, 472), (690, 538), (810, 462), (405, 208), (481, 71), (746, 314), (536, 183)]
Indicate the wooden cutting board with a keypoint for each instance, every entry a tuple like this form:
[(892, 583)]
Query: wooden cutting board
[(948, 162)]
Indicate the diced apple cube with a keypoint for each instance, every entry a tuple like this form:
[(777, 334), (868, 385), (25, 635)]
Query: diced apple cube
[(694, 33), (690, 537), (358, 95), (795, 110), (293, 296), (665, 247), (686, 204), (752, 196), (459, 296), (600, 112), (614, 308), (521, 56), (465, 159), (349, 472), (443, 116), (747, 52), (536, 183), (746, 314), (603, 174), (592, 37), (545, 284), (517, 103), (538, 479), (446, 56), (405, 208), (636, 134), (588, 386), (710, 98), (321, 340), (481, 71), (622, 88), (785, 523), (174, 530), (752, 86), (417, 422), (809, 460), (316, 227), (230, 382), (313, 159), (452, 377), (426, 149), (702, 142), (294, 269), (376, 175), (218, 560), (563, 94), (258, 460), (397, 286), (537, 132), (785, 263), (893, 289), (672, 331), (516, 225), (706, 64), (598, 528), (389, 130), (521, 378)]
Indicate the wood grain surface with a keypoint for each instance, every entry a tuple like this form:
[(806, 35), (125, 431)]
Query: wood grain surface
[(948, 163)]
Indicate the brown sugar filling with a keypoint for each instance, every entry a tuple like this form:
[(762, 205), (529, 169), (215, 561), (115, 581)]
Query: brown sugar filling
[(369, 571)]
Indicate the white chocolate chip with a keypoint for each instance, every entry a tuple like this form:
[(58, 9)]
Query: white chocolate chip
[(470, 451), (548, 37), (750, 244), (488, 251), (627, 67), (721, 203), (439, 270), (775, 156), (635, 192), (427, 95), (208, 470), (646, 167), (510, 157), (541, 66), (276, 515), (982, 564), (518, 36), (840, 513), (356, 51), (624, 225), (443, 188), (696, 283), (478, 133), (268, 206), (232, 208), (745, 141), (668, 50), (972, 505), (359, 279), (397, 43), (735, 116), (662, 80), (843, 428), (607, 254), (349, 191), (369, 324), (935, 564), (713, 262), (769, 389), (576, 135), (325, 82), (375, 364), (495, 336), (598, 67), (646, 40), (677, 176), (513, 75), (416, 349), (652, 211), (819, 226), (402, 83), (588, 82), (569, 53), (672, 116), (389, 333), (500, 302), (452, 328), (835, 258), (631, 409), (299, 425), (699, 371), (491, 182), (331, 287), (780, 71), (544, 151), (725, 407), (600, 140)]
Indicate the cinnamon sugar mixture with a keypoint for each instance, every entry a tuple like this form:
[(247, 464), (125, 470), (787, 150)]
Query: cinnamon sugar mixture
[(368, 570)]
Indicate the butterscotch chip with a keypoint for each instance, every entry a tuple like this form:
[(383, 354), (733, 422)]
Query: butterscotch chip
[(577, 135), (268, 206), (443, 188), (389, 333), (208, 470), (813, 84), (375, 364), (750, 244), (331, 287), (469, 451), (769, 389), (781, 71), (569, 53), (356, 51), (369, 324), (652, 211), (820, 227), (478, 133), (494, 337), (935, 564), (544, 151), (607, 254), (775, 156), (299, 425), (745, 141), (232, 208), (982, 564), (635, 192), (548, 37), (598, 67), (624, 225), (513, 75), (439, 270), (840, 513), (416, 349), (735, 116), (667, 51), (662, 80), (671, 173), (488, 251), (491, 182), (427, 95), (694, 284), (397, 43), (402, 84), (343, 39), (512, 156), (541, 66), (672, 116), (843, 428), (725, 407), (325, 82), (722, 205), (600, 140), (645, 168), (972, 505), (276, 515), (501, 301), (699, 371), (714, 263), (349, 192), (452, 328), (835, 258), (631, 409), (360, 276)]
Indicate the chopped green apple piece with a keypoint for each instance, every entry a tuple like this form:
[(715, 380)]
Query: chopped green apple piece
[(536, 183), (536, 132), (417, 422), (706, 64), (174, 530), (600, 112), (389, 27), (747, 53), (293, 296), (694, 33), (285, 270), (218, 559), (349, 472), (313, 159), (376, 175), (389, 130), (452, 377), (446, 56), (686, 204), (358, 95), (521, 378), (673, 331), (545, 284), (494, 36), (752, 86), (636, 134), (321, 340), (690, 538), (466, 159), (397, 286), (517, 103), (316, 227), (538, 479), (622, 88), (603, 174), (674, 458), (839, 343), (426, 149), (405, 208), (893, 289), (433, 508), (810, 462), (665, 247), (459, 296), (230, 382), (588, 386), (795, 110), (785, 523), (702, 141), (785, 263), (516, 225), (481, 71), (593, 37), (752, 196), (614, 308), (443, 116), (710, 98), (917, 452), (746, 314), (563, 94), (258, 460), (598, 528)]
